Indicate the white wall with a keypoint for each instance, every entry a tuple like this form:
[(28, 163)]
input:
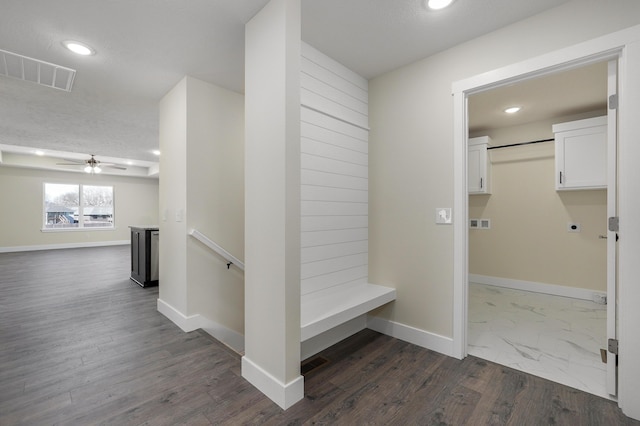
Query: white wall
[(334, 175), (21, 209), (411, 152), (173, 198), (528, 239), (215, 202), (272, 202), (202, 187)]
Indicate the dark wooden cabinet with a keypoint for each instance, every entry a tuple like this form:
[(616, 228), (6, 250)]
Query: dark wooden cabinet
[(144, 255)]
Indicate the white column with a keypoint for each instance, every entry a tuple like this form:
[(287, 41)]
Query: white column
[(272, 202), (172, 300)]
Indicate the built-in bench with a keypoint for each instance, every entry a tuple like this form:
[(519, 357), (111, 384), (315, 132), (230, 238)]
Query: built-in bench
[(322, 310)]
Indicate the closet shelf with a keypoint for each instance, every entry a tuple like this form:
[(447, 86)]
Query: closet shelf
[(322, 310)]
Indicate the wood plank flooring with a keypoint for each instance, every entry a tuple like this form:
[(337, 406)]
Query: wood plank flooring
[(81, 344)]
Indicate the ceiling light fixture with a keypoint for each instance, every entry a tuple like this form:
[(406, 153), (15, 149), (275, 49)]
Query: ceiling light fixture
[(38, 152), (79, 48), (155, 152), (438, 4), (512, 110)]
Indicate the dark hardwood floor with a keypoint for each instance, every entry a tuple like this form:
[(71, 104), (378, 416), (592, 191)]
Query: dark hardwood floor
[(81, 344)]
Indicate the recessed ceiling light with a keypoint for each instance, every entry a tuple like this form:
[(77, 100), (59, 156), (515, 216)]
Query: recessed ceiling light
[(79, 48), (512, 110), (155, 152), (38, 152), (438, 4)]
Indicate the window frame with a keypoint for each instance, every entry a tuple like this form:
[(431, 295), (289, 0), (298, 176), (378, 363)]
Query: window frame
[(81, 207)]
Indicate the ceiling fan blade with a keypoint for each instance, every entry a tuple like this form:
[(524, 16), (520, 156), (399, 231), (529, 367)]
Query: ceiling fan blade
[(113, 167), (74, 161), (69, 164)]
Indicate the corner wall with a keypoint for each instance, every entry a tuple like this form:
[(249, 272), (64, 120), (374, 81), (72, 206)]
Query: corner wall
[(215, 206), (202, 187), (411, 152), (272, 197)]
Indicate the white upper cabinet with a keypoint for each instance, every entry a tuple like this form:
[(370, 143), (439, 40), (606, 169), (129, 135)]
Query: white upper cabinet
[(581, 154), (479, 172)]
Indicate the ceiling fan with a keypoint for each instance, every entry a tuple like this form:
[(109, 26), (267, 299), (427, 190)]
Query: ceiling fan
[(91, 165)]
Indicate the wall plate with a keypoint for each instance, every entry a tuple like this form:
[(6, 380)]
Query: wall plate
[(443, 215)]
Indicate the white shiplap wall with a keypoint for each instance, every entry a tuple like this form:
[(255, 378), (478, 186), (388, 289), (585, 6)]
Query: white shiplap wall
[(334, 175)]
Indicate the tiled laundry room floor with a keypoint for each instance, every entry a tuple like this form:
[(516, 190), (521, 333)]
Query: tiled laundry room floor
[(553, 337)]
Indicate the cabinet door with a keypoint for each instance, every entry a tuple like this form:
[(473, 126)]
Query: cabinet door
[(135, 255), (477, 171), (582, 159)]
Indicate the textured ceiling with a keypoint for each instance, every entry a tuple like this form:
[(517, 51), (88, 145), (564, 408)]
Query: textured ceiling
[(144, 47)]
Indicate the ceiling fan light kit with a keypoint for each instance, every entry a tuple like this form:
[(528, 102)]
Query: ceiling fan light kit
[(91, 165)]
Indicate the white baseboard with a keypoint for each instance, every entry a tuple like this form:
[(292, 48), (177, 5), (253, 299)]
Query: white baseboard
[(186, 323), (556, 290), (64, 246), (425, 339), (229, 337), (332, 336), (285, 395)]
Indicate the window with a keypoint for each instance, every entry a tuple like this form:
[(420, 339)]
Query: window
[(75, 206)]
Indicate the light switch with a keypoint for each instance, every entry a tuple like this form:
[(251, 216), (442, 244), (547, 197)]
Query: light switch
[(179, 214), (443, 215)]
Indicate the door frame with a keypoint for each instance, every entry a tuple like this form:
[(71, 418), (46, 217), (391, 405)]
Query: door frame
[(609, 47)]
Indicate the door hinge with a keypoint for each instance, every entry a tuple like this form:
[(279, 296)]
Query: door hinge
[(612, 346), (614, 224), (613, 102)]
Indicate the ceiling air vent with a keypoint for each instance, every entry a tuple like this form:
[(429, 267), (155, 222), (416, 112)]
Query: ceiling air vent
[(36, 71)]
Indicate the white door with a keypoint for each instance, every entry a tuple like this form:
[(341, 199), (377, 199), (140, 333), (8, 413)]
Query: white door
[(612, 212)]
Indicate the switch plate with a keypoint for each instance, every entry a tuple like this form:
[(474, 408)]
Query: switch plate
[(179, 215), (443, 215)]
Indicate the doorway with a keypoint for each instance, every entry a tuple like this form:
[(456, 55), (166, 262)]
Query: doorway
[(538, 256), (563, 60)]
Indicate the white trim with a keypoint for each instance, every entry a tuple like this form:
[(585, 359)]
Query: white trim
[(431, 341), (285, 395), (227, 336), (591, 51), (82, 229), (64, 246), (186, 323), (536, 287), (460, 228), (598, 49)]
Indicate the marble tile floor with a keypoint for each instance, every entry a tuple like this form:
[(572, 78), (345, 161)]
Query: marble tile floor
[(553, 337)]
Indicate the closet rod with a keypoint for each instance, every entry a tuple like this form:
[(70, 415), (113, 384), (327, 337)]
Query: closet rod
[(521, 143)]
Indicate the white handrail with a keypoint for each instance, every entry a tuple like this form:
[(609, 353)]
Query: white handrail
[(215, 247)]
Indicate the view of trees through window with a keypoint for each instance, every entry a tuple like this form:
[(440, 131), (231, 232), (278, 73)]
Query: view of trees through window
[(77, 206)]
